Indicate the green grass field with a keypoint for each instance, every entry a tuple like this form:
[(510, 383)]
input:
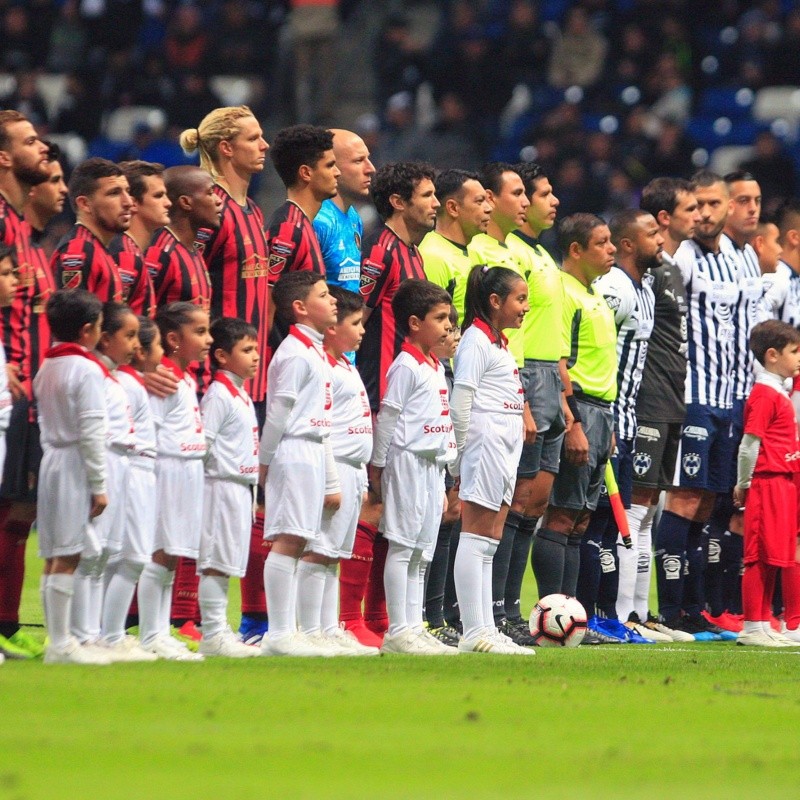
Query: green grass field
[(701, 720)]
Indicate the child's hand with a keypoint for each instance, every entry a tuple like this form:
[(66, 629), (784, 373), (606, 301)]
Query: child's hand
[(739, 497), (374, 485), (528, 425), (161, 383), (333, 501), (99, 503)]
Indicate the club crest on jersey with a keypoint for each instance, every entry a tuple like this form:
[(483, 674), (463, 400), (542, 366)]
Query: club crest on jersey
[(276, 264), (71, 278), (691, 464), (366, 285), (642, 463)]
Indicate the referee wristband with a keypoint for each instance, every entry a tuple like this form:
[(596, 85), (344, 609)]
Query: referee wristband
[(572, 404)]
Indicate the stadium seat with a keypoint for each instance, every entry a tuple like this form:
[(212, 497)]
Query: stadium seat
[(52, 89), (714, 132), (727, 158), (73, 146), (731, 102), (121, 124), (233, 90)]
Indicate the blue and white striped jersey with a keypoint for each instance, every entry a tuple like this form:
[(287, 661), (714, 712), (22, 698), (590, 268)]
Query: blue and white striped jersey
[(782, 294), (712, 291), (633, 304), (747, 314)]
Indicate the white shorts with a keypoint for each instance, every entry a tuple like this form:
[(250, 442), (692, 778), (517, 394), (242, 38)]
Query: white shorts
[(63, 504), (295, 489), (413, 500), (110, 525), (490, 460), (179, 507), (227, 521), (140, 511), (338, 529)]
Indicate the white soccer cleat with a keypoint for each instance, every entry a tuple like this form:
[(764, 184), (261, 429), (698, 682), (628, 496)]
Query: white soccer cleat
[(226, 644), (792, 636), (512, 648), (650, 633), (781, 638), (654, 625), (760, 639), (75, 653), (297, 645), (409, 643), (170, 649), (439, 647), (348, 642), (126, 649)]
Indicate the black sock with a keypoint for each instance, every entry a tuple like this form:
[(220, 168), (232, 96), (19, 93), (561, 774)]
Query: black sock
[(502, 558), (435, 578), (718, 527), (518, 565), (732, 555), (452, 616), (670, 538), (609, 573), (572, 565), (8, 629), (548, 559), (694, 596)]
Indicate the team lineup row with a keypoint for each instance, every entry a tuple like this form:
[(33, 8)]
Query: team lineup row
[(667, 276)]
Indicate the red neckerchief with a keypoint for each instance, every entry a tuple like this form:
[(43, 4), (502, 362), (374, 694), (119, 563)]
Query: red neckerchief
[(309, 343), (169, 364), (72, 349), (129, 370), (222, 378), (491, 334), (418, 355)]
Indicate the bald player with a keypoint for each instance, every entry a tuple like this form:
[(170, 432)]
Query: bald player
[(338, 224)]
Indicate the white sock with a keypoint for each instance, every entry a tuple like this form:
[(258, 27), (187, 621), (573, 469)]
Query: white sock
[(212, 597), (416, 579), (489, 549), (280, 584), (43, 596), (766, 627), (644, 565), (329, 618), (395, 582), (59, 590), (311, 579), (117, 600), (753, 627), (85, 621), (628, 561), (468, 574), (151, 589), (165, 611)]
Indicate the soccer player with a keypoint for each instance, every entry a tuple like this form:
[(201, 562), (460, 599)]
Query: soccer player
[(660, 405), (488, 403), (627, 290), (463, 213), (98, 192), (72, 416), (232, 150), (506, 193), (769, 459), (726, 524), (174, 260), (405, 199), (338, 224), (782, 293), (297, 463), (703, 463), (543, 376), (304, 160), (767, 244), (150, 212), (590, 337), (27, 336)]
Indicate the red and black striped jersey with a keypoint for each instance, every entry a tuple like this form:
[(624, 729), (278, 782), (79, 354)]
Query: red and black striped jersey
[(27, 332), (292, 243), (12, 225), (237, 261), (177, 272), (81, 260), (137, 290), (386, 261)]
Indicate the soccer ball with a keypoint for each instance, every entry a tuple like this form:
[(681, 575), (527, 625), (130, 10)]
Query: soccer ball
[(558, 621)]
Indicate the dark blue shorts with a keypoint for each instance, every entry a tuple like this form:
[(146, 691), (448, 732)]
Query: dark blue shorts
[(705, 456)]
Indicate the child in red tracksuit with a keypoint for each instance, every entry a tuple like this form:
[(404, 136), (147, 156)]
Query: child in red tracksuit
[(769, 458)]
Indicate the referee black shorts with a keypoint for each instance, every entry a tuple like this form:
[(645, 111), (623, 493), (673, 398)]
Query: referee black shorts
[(23, 455)]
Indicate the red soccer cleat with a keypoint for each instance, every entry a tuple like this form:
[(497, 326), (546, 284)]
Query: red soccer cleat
[(190, 631), (724, 621), (364, 635)]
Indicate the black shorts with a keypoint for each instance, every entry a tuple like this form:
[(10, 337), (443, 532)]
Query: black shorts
[(23, 455), (655, 454)]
